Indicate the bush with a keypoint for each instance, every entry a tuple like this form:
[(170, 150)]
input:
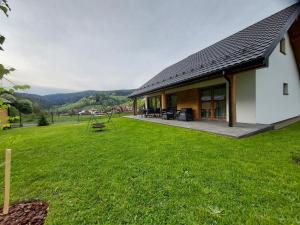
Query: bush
[(43, 121)]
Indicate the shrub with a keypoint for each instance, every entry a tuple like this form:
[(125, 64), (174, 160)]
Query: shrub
[(43, 121), (13, 112)]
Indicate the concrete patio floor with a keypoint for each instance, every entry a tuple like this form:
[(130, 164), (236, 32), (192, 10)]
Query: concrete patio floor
[(217, 127)]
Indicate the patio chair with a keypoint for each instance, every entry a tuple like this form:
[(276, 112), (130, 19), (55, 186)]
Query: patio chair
[(142, 112), (157, 112), (177, 113), (186, 114), (168, 114), (150, 112)]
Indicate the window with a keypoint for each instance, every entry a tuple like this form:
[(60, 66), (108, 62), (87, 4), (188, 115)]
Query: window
[(154, 102), (285, 88), (172, 101), (282, 46), (213, 102)]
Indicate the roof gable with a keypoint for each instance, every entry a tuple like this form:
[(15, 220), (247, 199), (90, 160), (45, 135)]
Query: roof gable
[(254, 42)]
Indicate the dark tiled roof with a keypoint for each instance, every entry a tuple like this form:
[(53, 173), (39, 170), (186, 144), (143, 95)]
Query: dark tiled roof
[(246, 46)]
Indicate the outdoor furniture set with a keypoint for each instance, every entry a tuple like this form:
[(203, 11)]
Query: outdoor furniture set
[(184, 114)]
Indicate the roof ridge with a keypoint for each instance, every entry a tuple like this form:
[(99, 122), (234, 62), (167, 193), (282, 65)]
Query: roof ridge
[(284, 29), (240, 31), (246, 28), (254, 42)]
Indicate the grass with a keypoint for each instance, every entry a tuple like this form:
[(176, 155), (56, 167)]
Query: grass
[(142, 173), (32, 119)]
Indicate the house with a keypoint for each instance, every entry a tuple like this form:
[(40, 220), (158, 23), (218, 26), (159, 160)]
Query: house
[(3, 117), (249, 77)]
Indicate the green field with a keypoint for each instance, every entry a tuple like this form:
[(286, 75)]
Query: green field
[(136, 172)]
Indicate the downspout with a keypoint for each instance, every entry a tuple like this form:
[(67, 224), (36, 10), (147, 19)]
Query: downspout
[(230, 123)]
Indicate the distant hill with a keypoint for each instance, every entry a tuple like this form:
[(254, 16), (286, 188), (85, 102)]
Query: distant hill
[(48, 101), (105, 102)]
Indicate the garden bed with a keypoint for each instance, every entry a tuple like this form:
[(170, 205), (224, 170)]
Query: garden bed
[(31, 212)]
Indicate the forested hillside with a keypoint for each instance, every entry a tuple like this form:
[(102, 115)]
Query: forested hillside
[(103, 103), (49, 101)]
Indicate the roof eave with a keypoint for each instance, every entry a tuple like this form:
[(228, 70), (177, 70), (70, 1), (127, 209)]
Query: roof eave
[(253, 64)]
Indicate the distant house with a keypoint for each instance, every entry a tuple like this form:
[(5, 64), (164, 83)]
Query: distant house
[(4, 114), (251, 76), (3, 117)]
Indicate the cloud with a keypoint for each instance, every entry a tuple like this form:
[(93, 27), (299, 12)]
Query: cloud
[(104, 44)]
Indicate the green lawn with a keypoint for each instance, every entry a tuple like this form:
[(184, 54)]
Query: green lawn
[(32, 119), (142, 173)]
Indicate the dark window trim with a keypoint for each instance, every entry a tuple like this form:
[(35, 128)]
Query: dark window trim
[(285, 89)]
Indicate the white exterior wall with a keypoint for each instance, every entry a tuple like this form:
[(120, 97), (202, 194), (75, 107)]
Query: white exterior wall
[(271, 105), (246, 97), (259, 93)]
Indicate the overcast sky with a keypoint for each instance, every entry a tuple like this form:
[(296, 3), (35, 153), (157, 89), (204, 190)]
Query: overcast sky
[(115, 44)]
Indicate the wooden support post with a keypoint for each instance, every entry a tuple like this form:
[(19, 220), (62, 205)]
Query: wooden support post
[(146, 102), (164, 101), (198, 105), (7, 181)]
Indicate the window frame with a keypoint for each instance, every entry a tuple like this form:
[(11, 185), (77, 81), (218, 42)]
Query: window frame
[(285, 87), (283, 46)]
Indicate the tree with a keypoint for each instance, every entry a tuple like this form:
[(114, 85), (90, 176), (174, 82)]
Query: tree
[(37, 109), (43, 120), (4, 92), (4, 7), (23, 106)]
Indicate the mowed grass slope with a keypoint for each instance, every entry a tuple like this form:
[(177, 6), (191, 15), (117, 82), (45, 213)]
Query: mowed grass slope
[(142, 173)]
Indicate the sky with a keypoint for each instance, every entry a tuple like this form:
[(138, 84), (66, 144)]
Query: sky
[(74, 45)]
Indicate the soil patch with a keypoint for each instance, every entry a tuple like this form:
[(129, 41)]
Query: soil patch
[(30, 212)]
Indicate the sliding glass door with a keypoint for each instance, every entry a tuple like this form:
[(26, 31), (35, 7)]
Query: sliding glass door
[(172, 102), (213, 102), (154, 103), (206, 103)]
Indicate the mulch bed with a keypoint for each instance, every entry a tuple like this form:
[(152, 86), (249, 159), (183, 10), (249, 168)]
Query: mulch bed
[(31, 212)]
